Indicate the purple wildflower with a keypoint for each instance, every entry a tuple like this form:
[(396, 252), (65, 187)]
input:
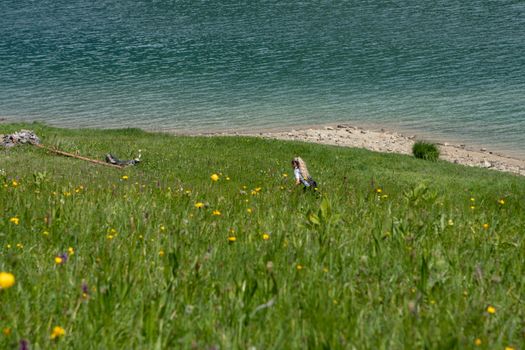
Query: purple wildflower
[(85, 290), (24, 345)]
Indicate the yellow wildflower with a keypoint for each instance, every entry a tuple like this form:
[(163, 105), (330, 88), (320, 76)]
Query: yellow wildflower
[(58, 260), (161, 253), (57, 332), (379, 190), (71, 251), (19, 245), (249, 210), (477, 342), (509, 348), (14, 220), (214, 177), (232, 239), (472, 207), (485, 226), (110, 237), (501, 201), (7, 280), (14, 183), (6, 331), (299, 267), (491, 309), (285, 175), (199, 205), (227, 178), (450, 222), (45, 233), (265, 236), (216, 213), (125, 177), (472, 199), (162, 228)]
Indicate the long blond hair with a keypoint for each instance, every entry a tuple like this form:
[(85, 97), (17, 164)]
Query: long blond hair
[(302, 167)]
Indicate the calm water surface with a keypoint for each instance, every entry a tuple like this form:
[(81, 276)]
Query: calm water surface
[(451, 69)]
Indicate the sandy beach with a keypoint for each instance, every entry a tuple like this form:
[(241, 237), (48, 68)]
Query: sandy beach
[(346, 135)]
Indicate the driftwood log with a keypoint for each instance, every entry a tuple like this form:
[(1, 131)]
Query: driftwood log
[(66, 154)]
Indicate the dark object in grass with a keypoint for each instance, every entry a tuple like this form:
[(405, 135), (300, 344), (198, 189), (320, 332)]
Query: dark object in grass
[(114, 160), (425, 150)]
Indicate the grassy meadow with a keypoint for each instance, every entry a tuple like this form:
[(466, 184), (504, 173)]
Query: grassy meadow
[(392, 252)]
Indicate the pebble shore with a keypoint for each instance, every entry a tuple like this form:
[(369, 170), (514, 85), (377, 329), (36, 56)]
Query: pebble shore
[(346, 135)]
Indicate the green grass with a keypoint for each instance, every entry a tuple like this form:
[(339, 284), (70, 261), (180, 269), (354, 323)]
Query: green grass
[(425, 150), (392, 254)]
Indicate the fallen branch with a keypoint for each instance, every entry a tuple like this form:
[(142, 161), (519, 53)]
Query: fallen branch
[(62, 153)]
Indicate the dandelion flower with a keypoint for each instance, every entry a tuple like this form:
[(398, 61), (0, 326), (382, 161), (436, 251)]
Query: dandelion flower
[(472, 199), (249, 210), (491, 309), (58, 332), (232, 239), (227, 178), (125, 177), (299, 267), (501, 201), (14, 183), (14, 220), (379, 190), (509, 348), (472, 207), (199, 205), (214, 177), (7, 280), (486, 226), (477, 342), (71, 251), (60, 259), (216, 213), (265, 236)]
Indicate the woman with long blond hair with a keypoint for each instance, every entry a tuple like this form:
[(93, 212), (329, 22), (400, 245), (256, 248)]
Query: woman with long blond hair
[(302, 176)]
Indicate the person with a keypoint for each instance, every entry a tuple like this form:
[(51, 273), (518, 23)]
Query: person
[(301, 174)]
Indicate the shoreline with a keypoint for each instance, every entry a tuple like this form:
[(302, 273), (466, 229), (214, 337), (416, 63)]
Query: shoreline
[(385, 141), (370, 138)]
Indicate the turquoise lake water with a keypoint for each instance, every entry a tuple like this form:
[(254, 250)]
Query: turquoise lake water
[(453, 70)]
